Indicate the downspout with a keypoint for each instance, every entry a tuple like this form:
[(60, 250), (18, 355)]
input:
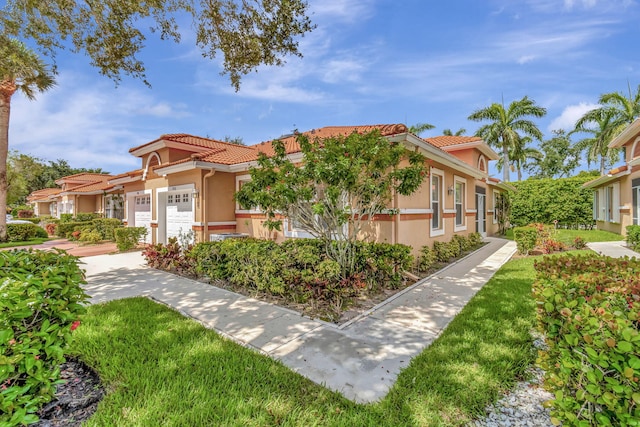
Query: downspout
[(203, 208), (396, 219)]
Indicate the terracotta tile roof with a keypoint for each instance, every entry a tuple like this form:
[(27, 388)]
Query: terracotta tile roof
[(43, 194), (291, 143), (618, 170), (85, 177), (128, 174), (90, 187), (448, 141)]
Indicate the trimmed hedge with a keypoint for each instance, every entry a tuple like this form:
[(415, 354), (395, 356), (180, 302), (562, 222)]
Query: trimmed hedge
[(526, 238), (588, 309), (21, 232), (40, 305), (127, 238), (633, 237)]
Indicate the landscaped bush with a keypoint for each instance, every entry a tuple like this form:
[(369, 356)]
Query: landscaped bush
[(51, 228), (66, 217), (25, 213), (589, 308), (128, 238), (579, 243), (426, 259), (21, 232), (89, 236), (66, 228), (526, 238), (86, 217), (41, 233), (35, 221), (442, 251), (40, 305), (633, 237), (385, 263), (168, 257), (106, 227)]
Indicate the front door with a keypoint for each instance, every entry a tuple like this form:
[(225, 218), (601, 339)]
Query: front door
[(480, 215)]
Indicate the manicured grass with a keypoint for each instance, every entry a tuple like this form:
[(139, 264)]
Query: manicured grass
[(163, 369), (35, 241), (568, 236)]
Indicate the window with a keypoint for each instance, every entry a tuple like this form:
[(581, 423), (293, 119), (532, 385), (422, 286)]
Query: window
[(436, 195), (608, 214), (459, 197), (611, 206), (596, 203), (170, 198), (496, 195), (185, 197), (635, 202)]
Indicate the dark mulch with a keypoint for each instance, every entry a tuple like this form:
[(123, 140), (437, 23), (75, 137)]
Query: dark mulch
[(76, 399)]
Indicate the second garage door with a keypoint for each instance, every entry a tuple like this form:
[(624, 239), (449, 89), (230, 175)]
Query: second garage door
[(179, 213)]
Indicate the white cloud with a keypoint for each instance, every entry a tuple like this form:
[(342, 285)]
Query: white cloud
[(347, 10), (570, 115), (526, 58)]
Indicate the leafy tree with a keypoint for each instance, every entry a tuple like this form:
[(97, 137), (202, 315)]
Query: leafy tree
[(508, 126), (236, 140), (602, 124), (344, 182), (247, 33), (20, 70), (419, 128), (23, 175), (627, 108), (559, 157), (459, 132), (520, 154)]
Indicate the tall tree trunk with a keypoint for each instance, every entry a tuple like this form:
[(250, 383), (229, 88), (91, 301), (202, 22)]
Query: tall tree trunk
[(7, 89), (505, 161), (601, 165), (519, 172)]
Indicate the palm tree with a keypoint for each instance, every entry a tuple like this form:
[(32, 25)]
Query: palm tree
[(602, 124), (418, 128), (627, 109), (520, 154), (503, 132), (459, 132), (20, 70)]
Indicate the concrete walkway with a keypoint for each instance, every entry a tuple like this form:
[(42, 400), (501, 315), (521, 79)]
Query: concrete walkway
[(613, 249), (360, 359)]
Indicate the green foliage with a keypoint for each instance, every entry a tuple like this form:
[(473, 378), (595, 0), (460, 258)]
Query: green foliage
[(503, 212), (426, 259), (41, 233), (248, 34), (633, 237), (444, 251), (168, 257), (588, 308), (345, 181), (90, 236), (40, 305), (35, 221), (106, 227), (66, 228), (86, 217), (560, 158), (127, 238), (66, 217), (579, 243), (547, 200), (21, 232), (526, 238)]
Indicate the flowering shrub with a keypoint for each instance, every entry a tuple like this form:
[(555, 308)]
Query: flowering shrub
[(41, 300), (589, 309), (550, 246), (579, 243), (75, 235), (51, 228)]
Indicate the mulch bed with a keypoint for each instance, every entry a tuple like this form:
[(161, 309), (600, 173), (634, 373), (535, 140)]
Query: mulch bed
[(76, 399)]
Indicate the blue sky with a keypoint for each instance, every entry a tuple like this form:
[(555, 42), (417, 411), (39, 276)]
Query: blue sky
[(367, 62)]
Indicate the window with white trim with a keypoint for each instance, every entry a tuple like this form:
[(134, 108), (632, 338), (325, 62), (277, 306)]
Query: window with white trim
[(459, 196), (436, 200), (496, 194), (611, 204), (596, 204)]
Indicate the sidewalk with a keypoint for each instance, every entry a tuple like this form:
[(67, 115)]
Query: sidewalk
[(360, 359), (613, 249)]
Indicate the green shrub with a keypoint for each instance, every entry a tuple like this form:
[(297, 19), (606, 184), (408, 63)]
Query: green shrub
[(90, 236), (21, 232), (41, 233), (633, 237), (106, 227), (66, 217), (127, 238), (454, 248), (40, 305), (475, 240), (526, 238), (25, 213), (86, 217), (65, 228), (170, 257), (209, 260), (588, 308), (463, 242), (579, 243), (426, 259), (442, 251), (385, 263), (35, 221)]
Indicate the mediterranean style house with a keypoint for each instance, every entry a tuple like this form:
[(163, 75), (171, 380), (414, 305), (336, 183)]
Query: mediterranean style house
[(185, 186), (616, 195), (79, 193)]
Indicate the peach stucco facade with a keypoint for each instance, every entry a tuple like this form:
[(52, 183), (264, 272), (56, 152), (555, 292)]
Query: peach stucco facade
[(616, 195)]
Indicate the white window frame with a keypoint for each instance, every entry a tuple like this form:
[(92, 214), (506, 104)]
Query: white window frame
[(239, 180), (440, 211), (496, 194), (458, 180), (611, 204)]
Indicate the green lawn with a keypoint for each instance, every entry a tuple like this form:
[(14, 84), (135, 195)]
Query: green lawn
[(31, 242), (568, 236), (161, 368)]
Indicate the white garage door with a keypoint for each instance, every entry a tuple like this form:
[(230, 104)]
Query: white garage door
[(143, 214), (179, 213)]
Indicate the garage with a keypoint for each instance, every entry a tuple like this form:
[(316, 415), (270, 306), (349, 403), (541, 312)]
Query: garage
[(179, 215), (142, 214)]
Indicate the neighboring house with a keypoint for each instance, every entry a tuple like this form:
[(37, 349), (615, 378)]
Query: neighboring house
[(79, 193), (616, 196), (186, 185)]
